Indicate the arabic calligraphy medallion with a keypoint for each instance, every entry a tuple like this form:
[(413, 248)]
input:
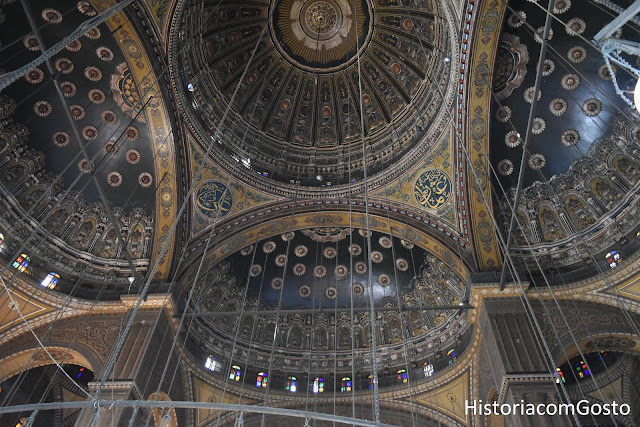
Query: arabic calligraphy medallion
[(432, 189), (211, 196)]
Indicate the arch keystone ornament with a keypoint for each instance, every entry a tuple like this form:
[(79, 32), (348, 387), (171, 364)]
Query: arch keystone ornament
[(432, 189), (212, 196)]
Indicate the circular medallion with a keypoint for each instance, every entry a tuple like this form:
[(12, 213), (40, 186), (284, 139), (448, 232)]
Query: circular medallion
[(268, 247), (255, 270), (212, 196), (320, 271), (145, 179), (361, 267), (299, 269), (246, 250), (320, 35), (355, 249), (281, 260), (61, 139), (341, 272), (329, 253), (402, 264), (358, 289), (385, 242), (376, 257), (304, 291), (384, 280), (301, 250), (276, 283), (432, 189), (331, 292)]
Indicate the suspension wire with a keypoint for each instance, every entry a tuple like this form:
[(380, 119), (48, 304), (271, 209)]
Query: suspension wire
[(544, 275), (193, 286), (376, 394), (351, 284), (564, 24), (34, 290), (335, 333), (286, 261), (8, 78), (166, 243), (14, 387), (254, 323), (39, 225), (493, 372), (544, 308), (311, 349), (506, 253), (199, 267), (570, 65), (284, 275), (403, 329), (621, 300), (76, 335), (6, 61), (237, 329), (24, 242)]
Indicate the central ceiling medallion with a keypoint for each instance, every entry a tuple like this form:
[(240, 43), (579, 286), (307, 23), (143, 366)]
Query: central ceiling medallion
[(320, 35)]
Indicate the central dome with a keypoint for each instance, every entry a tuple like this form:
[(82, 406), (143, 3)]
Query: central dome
[(284, 86), (320, 35)]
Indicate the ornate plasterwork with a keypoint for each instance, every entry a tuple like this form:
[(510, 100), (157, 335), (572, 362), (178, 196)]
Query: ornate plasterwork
[(231, 243), (216, 189), (404, 189), (486, 36), (142, 71), (269, 82)]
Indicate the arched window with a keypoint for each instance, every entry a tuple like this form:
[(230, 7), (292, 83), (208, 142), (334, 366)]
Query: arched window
[(50, 281), (613, 259), (1, 238), (452, 354), (582, 370), (22, 262), (370, 377), (235, 373), (346, 384), (428, 369), (212, 364), (291, 385), (261, 380), (402, 375), (318, 385)]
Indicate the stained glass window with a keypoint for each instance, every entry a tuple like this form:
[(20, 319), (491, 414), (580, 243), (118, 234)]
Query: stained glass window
[(452, 353), (261, 380), (370, 381), (346, 384), (318, 385), (613, 259), (402, 375), (1, 238), (50, 281), (212, 364), (235, 373), (22, 262), (428, 369), (560, 376), (291, 385)]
